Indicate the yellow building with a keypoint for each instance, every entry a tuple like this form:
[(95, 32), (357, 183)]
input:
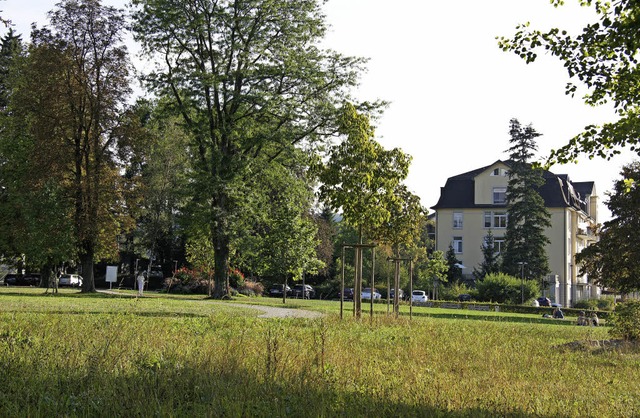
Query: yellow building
[(474, 202)]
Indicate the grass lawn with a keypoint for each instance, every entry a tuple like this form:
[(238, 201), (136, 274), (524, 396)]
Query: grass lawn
[(105, 355)]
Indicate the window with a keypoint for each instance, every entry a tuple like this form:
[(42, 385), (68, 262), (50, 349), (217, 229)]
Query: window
[(457, 220), (499, 195), (498, 244), (499, 172), (495, 219), (457, 245)]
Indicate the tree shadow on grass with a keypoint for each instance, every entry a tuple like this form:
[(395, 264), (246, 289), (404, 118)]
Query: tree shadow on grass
[(157, 388)]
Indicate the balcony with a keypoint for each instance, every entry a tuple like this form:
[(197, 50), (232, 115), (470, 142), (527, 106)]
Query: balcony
[(586, 234)]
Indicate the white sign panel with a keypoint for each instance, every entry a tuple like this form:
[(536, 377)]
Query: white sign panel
[(112, 274)]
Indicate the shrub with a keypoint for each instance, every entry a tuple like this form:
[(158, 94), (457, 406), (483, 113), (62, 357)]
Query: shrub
[(606, 303), (603, 304), (625, 321), (187, 281), (502, 288), (236, 278), (587, 304), (251, 288), (452, 292)]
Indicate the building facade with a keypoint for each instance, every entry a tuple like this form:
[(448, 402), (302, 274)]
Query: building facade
[(474, 202)]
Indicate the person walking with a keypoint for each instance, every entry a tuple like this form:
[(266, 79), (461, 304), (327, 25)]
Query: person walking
[(140, 280)]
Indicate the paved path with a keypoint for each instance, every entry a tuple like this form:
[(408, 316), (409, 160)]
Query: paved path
[(267, 311), (274, 312)]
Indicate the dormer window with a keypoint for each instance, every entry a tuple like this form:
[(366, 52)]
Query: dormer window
[(499, 172), (499, 195)]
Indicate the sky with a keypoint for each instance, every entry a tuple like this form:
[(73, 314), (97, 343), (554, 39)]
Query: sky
[(452, 91)]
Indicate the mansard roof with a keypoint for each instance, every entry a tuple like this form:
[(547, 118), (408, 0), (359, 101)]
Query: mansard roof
[(557, 191)]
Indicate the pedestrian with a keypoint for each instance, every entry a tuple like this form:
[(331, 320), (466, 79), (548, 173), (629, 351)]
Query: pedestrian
[(557, 313), (582, 319), (140, 280)]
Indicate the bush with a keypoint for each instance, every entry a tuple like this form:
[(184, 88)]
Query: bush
[(602, 304), (251, 288), (502, 288), (452, 292), (186, 281), (607, 303), (625, 321), (587, 304)]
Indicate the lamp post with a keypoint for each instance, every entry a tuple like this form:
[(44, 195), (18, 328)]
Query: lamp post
[(522, 264)]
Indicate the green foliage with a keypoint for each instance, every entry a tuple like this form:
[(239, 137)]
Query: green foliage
[(491, 259), (525, 239), (625, 320), (452, 292), (433, 272), (454, 272), (603, 58), (614, 261), (502, 288), (252, 86), (604, 303), (187, 281), (361, 178)]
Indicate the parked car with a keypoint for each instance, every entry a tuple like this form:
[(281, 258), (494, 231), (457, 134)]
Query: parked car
[(70, 280), (15, 279), (465, 297), (556, 305), (366, 294), (276, 290), (392, 293), (11, 279), (419, 296), (348, 293), (305, 292), (542, 301)]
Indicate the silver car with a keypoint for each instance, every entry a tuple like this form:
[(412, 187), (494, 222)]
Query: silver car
[(70, 280)]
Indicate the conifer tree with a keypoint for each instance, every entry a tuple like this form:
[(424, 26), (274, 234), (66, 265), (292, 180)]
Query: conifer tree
[(491, 260), (525, 238)]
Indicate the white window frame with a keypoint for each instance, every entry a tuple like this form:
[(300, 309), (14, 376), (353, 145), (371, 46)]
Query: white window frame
[(498, 245), (499, 191), (493, 220), (458, 220), (457, 245)]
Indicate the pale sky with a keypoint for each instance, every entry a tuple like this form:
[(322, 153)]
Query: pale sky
[(452, 90)]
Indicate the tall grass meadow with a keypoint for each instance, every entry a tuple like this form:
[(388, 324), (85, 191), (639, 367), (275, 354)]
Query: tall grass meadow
[(77, 355)]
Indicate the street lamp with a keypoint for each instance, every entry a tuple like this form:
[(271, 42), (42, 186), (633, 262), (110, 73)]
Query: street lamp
[(522, 264)]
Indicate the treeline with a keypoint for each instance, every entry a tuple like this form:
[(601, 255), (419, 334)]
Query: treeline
[(218, 168)]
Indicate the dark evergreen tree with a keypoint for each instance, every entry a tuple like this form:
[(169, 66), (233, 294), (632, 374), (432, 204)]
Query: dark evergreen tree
[(10, 47), (614, 261), (454, 274), (491, 260), (525, 239)]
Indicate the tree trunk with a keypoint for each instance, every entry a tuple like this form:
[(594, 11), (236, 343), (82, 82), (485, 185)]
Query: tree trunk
[(221, 268), (88, 283)]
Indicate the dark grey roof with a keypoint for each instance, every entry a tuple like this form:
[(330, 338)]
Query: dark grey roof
[(557, 191)]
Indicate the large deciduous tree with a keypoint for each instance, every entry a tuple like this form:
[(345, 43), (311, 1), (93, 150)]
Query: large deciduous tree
[(525, 239), (614, 261), (77, 80), (251, 83), (604, 59)]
